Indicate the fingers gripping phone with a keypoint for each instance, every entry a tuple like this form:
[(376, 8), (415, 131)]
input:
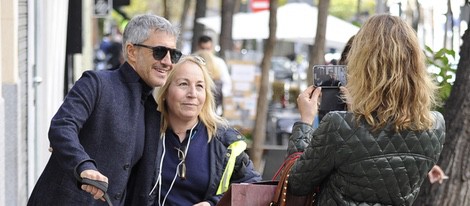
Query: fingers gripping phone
[(330, 78)]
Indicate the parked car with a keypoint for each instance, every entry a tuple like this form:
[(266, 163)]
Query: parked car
[(280, 123)]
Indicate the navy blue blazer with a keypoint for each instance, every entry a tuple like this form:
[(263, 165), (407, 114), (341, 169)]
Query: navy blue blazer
[(100, 125)]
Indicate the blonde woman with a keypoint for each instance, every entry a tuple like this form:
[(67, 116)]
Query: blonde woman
[(381, 150), (196, 155)]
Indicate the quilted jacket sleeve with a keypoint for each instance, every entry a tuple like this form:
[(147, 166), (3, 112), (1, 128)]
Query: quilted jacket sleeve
[(300, 137), (318, 159)]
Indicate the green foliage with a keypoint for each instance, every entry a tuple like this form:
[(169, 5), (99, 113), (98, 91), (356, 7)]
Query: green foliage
[(293, 94), (347, 9), (278, 91), (138, 7), (442, 70), (155, 7)]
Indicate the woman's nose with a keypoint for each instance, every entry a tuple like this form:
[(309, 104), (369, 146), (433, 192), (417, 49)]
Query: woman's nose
[(192, 91)]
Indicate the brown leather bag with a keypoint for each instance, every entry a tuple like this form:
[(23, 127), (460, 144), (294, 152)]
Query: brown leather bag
[(249, 194), (272, 192), (281, 198)]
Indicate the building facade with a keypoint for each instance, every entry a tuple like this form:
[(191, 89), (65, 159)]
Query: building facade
[(32, 39)]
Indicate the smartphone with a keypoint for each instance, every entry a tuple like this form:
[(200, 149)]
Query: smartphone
[(330, 78)]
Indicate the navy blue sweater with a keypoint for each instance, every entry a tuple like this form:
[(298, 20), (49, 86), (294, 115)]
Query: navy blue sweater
[(193, 188)]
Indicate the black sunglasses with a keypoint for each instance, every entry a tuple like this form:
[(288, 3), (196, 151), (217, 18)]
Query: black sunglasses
[(159, 52), (182, 165)]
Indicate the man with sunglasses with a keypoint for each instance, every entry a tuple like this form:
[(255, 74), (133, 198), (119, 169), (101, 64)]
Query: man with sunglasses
[(97, 134)]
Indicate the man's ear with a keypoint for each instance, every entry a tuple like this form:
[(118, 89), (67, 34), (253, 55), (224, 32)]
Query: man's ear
[(131, 52)]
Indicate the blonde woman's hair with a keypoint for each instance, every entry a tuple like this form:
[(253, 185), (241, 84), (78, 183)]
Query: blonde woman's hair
[(207, 116), (387, 78), (211, 66)]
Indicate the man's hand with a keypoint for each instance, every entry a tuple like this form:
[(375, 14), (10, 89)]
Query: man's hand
[(93, 175), (202, 204)]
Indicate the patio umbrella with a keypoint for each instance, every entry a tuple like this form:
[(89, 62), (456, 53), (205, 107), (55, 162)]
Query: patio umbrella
[(296, 22)]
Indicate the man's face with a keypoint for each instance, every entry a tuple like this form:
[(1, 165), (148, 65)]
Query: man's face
[(154, 72), (206, 46), (333, 75)]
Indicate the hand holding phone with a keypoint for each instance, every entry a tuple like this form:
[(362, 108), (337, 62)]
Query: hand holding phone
[(308, 103)]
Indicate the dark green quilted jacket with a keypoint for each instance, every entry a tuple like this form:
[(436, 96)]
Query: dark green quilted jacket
[(353, 166)]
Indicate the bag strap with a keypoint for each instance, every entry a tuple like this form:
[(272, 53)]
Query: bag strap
[(292, 157), (280, 194)]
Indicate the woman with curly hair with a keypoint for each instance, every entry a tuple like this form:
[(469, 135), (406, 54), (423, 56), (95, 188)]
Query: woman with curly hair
[(380, 151)]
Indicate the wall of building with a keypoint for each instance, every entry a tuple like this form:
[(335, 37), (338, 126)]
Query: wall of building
[(23, 128), (10, 92), (2, 115), (21, 149), (14, 81)]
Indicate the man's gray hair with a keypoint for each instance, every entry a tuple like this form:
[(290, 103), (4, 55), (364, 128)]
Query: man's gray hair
[(141, 27)]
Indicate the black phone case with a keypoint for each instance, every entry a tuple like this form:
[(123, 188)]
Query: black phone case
[(331, 100)]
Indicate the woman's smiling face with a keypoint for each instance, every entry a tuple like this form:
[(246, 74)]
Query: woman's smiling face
[(186, 93)]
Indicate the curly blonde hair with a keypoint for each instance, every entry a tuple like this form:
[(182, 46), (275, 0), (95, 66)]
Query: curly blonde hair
[(388, 80)]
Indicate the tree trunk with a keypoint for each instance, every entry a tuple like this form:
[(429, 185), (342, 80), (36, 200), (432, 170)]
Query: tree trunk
[(448, 25), (358, 9), (416, 16), (226, 14), (259, 130), (166, 10), (198, 29), (184, 16), (412, 13), (454, 159), (380, 8), (451, 22), (317, 52)]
